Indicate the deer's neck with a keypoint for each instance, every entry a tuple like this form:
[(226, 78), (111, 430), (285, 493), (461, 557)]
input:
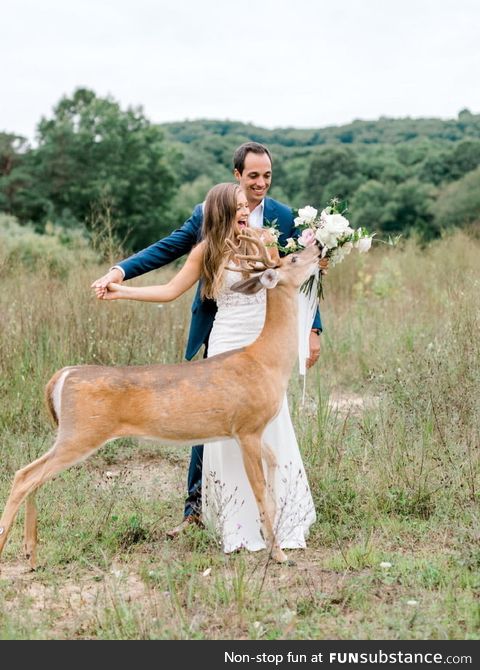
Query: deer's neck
[(277, 344)]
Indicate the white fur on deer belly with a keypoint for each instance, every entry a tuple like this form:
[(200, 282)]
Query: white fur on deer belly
[(183, 443)]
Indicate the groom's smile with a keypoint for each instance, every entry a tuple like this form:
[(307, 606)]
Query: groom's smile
[(256, 177)]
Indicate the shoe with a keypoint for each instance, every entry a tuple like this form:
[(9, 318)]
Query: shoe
[(187, 521)]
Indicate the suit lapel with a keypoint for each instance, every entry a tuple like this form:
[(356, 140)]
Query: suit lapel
[(271, 213)]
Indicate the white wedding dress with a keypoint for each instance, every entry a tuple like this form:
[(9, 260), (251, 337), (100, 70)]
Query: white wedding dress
[(228, 505)]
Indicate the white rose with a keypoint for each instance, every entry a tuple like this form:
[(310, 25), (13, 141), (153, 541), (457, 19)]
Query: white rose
[(298, 221), (347, 247), (363, 244), (337, 224), (307, 213), (332, 228), (326, 238), (291, 244)]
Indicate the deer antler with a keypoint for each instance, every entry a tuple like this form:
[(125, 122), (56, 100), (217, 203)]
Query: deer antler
[(234, 248), (251, 262)]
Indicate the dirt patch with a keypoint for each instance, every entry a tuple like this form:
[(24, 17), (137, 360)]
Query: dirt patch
[(159, 479), (62, 607), (71, 605), (344, 402)]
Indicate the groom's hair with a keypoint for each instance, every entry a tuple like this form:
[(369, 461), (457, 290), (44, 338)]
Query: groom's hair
[(242, 151)]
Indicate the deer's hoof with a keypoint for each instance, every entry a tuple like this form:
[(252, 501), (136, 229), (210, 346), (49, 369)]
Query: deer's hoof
[(32, 559), (279, 556)]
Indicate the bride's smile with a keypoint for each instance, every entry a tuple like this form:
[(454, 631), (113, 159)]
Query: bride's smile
[(243, 211)]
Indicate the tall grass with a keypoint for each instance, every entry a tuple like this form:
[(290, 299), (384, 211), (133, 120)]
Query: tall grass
[(395, 480)]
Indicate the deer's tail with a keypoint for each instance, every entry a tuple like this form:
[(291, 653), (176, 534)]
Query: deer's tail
[(53, 393)]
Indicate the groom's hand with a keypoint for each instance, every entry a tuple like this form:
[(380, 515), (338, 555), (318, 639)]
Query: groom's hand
[(100, 285), (314, 348)]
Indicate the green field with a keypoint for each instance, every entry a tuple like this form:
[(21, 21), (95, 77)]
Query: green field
[(389, 431)]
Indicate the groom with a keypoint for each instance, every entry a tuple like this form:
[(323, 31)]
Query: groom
[(253, 170)]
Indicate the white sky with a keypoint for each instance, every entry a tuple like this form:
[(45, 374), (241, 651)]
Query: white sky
[(276, 63)]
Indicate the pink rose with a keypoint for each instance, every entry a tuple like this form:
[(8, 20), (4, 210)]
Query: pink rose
[(307, 238)]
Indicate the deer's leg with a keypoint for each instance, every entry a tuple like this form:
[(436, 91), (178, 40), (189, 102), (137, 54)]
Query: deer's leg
[(30, 534), (31, 477), (20, 489), (251, 447), (270, 459)]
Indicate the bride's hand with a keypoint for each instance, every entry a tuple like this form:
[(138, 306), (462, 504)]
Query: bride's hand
[(113, 292)]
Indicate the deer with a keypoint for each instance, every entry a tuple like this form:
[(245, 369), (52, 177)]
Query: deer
[(184, 403)]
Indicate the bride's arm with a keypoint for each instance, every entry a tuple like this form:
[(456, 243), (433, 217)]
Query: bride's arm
[(181, 282)]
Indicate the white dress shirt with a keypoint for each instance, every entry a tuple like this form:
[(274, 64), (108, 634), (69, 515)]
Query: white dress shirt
[(255, 219)]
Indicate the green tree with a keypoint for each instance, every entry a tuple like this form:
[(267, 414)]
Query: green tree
[(435, 168), (369, 206), (410, 210), (381, 163), (402, 208), (91, 152), (20, 193), (458, 204), (334, 172), (464, 158)]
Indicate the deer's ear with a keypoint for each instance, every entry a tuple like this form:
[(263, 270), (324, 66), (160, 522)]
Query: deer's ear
[(248, 286), (267, 279)]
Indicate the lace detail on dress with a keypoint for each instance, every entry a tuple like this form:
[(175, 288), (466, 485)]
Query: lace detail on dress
[(229, 298)]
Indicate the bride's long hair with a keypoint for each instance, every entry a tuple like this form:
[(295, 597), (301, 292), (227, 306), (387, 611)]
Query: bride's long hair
[(218, 226)]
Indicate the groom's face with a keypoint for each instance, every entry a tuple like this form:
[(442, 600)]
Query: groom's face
[(256, 177)]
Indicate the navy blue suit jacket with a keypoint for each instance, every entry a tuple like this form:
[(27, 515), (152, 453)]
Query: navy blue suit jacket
[(180, 242)]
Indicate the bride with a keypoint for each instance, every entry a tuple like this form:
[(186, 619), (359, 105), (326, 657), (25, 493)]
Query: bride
[(229, 508)]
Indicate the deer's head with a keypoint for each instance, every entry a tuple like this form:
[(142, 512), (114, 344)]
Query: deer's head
[(291, 270)]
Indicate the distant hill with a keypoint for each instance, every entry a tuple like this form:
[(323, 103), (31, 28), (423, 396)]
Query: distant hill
[(98, 163), (383, 131), (397, 174)]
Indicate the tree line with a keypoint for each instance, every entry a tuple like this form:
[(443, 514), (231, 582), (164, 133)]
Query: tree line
[(91, 159)]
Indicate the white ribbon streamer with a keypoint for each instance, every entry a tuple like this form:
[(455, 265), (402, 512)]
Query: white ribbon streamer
[(307, 306)]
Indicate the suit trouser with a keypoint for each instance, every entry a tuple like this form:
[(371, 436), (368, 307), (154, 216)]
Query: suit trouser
[(193, 502)]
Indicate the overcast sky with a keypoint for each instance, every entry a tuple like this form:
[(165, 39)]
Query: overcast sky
[(275, 63)]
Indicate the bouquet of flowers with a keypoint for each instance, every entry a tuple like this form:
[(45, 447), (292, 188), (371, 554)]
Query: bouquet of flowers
[(331, 231)]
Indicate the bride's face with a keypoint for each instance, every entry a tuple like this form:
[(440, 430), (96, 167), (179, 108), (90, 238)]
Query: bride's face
[(241, 216)]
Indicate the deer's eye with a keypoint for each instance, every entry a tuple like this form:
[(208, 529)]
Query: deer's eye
[(294, 259)]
